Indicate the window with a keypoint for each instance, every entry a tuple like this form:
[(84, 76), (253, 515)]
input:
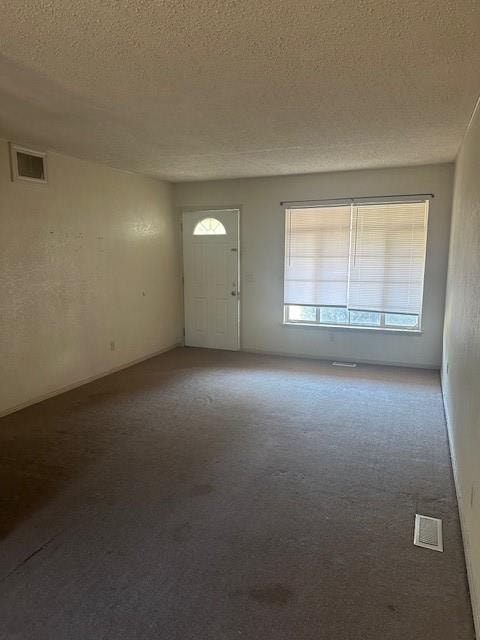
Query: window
[(356, 263), (339, 316), (209, 227)]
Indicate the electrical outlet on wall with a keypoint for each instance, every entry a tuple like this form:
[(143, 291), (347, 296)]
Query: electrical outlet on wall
[(112, 345)]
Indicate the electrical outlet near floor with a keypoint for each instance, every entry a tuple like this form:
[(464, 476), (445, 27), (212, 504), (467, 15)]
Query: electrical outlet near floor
[(112, 345)]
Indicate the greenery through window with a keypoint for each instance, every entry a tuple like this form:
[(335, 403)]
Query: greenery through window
[(339, 316)]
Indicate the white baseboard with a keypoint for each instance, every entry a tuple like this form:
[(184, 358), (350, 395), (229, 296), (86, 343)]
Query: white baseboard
[(79, 383), (463, 523), (327, 358)]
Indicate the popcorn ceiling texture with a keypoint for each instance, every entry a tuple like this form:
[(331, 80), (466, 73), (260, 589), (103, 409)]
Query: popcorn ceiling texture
[(214, 89)]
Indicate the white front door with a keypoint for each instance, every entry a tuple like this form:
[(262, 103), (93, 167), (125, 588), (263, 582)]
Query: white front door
[(211, 278)]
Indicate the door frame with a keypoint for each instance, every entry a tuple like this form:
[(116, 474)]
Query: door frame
[(193, 209)]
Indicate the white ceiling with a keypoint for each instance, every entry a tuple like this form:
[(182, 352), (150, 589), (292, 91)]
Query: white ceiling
[(202, 89)]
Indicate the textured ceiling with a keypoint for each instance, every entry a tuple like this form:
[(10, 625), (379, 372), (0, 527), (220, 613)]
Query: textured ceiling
[(201, 89)]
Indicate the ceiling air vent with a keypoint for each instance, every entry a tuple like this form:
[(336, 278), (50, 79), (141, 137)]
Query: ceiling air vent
[(428, 533), (28, 164)]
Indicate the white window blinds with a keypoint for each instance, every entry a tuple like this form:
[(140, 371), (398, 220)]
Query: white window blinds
[(367, 257), (316, 256), (387, 257)]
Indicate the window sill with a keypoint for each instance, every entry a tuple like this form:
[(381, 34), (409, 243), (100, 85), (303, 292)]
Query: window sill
[(415, 332)]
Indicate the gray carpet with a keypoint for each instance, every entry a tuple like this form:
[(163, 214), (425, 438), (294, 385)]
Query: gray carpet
[(207, 495)]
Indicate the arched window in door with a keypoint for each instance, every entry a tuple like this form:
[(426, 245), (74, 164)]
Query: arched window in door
[(209, 227)]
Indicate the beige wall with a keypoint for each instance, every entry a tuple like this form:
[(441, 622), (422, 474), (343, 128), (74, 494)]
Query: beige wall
[(262, 230), (461, 359), (87, 259)]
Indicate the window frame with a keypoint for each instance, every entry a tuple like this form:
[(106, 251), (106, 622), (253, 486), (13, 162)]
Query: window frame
[(382, 327)]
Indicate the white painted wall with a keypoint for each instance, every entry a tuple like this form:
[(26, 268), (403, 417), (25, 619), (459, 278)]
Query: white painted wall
[(86, 259), (461, 358), (262, 233)]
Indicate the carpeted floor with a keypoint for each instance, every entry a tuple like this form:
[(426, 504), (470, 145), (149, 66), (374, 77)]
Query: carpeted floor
[(206, 495)]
